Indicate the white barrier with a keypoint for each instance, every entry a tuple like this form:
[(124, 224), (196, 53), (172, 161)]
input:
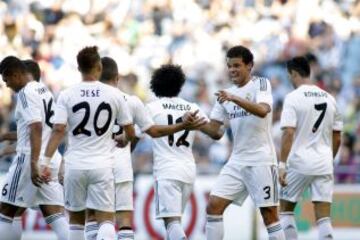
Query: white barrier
[(238, 222)]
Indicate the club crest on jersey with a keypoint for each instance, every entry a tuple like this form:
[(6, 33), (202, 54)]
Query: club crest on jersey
[(248, 96)]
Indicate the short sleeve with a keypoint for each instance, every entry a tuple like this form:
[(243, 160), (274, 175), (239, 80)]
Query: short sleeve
[(141, 116), (218, 112), (288, 115), (123, 117), (61, 110), (30, 106), (263, 92), (338, 122)]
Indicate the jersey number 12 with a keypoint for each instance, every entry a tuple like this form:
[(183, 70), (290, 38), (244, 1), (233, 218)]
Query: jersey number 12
[(182, 139)]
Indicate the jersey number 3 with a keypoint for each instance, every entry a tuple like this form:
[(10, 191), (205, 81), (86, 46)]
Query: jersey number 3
[(80, 128), (182, 140), (319, 107)]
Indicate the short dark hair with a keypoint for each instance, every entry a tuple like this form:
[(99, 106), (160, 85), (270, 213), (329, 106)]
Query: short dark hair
[(33, 68), (299, 65), (241, 52), (167, 80), (109, 70), (11, 64), (87, 59)]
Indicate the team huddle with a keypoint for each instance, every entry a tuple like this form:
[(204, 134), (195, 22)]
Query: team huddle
[(101, 125)]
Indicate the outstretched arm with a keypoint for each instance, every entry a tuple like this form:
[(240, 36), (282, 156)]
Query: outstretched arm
[(258, 109)]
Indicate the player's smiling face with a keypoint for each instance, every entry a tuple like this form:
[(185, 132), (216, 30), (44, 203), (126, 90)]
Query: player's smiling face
[(239, 71)]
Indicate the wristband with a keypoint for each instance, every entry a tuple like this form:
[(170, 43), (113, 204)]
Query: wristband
[(282, 165), (46, 161)]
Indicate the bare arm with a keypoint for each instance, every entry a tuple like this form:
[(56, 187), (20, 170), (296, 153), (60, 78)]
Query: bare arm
[(258, 109), (57, 135), (8, 150), (213, 129), (129, 132), (286, 143), (336, 140), (35, 144), (9, 136), (157, 131)]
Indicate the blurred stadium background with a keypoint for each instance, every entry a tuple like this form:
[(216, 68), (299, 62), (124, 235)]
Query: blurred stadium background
[(143, 34)]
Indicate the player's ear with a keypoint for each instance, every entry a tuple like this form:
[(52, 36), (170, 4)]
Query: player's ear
[(250, 66)]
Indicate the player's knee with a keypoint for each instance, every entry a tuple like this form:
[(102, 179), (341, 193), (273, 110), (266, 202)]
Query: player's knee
[(322, 209), (214, 207), (269, 215), (8, 210), (286, 206)]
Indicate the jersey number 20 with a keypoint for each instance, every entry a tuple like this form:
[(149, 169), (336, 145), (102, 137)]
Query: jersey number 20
[(80, 128)]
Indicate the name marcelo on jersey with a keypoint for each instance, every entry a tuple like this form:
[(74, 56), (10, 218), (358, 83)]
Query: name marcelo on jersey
[(180, 107)]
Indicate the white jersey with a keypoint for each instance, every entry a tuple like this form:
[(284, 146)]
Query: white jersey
[(314, 114), (123, 164), (253, 144), (173, 157), (89, 109), (35, 103)]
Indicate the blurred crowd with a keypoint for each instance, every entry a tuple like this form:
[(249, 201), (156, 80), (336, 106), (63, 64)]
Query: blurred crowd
[(143, 34)]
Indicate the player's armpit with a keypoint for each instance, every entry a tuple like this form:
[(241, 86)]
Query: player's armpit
[(213, 129)]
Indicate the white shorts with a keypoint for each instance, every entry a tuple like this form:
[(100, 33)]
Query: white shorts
[(19, 190), (171, 197), (92, 189), (260, 182), (321, 187), (124, 196)]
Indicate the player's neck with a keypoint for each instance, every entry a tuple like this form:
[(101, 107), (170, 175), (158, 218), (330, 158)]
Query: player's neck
[(243, 83), (305, 81), (89, 78)]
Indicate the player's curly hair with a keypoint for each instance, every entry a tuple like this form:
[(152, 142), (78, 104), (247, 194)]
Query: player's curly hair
[(167, 80), (241, 52), (299, 65), (33, 68), (88, 58)]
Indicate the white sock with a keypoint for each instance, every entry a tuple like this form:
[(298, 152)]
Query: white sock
[(59, 225), (17, 228), (288, 223), (275, 231), (91, 230), (6, 228), (175, 231), (76, 232), (106, 231), (125, 234), (214, 227), (325, 229)]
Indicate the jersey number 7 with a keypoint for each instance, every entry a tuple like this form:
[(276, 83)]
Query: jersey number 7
[(319, 107)]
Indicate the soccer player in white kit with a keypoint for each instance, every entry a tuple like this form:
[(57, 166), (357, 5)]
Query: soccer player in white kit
[(251, 169), (174, 165), (24, 187), (311, 125), (88, 111), (123, 167)]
